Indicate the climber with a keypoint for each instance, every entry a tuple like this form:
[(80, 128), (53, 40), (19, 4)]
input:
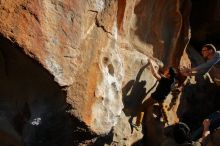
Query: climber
[(181, 135), (166, 81), (211, 56)]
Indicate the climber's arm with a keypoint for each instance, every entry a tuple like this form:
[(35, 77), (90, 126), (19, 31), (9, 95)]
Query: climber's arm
[(203, 68), (154, 72), (206, 132)]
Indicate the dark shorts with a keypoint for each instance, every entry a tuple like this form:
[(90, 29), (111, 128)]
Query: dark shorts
[(158, 98)]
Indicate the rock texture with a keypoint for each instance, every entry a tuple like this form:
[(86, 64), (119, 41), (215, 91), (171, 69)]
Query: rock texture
[(74, 72)]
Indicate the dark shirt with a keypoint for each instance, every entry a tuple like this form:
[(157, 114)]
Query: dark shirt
[(163, 89)]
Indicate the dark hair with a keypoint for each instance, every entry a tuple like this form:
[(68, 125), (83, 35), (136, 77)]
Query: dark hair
[(210, 47), (181, 133), (172, 72)]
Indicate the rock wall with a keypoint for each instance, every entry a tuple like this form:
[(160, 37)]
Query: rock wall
[(70, 67)]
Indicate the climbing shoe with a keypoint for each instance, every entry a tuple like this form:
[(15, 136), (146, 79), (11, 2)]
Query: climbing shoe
[(138, 128)]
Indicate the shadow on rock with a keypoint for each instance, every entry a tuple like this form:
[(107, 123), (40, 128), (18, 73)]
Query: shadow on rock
[(133, 94)]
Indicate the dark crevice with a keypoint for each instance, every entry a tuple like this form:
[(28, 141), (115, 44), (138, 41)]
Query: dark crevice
[(25, 8), (111, 69), (98, 24), (34, 104), (120, 14)]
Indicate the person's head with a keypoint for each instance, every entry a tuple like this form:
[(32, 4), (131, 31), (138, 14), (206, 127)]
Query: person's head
[(170, 72), (181, 133), (208, 50)]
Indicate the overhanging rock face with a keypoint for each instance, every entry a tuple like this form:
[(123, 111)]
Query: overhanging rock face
[(77, 55)]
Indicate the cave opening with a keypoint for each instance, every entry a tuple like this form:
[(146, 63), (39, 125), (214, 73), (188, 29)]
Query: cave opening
[(32, 104)]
